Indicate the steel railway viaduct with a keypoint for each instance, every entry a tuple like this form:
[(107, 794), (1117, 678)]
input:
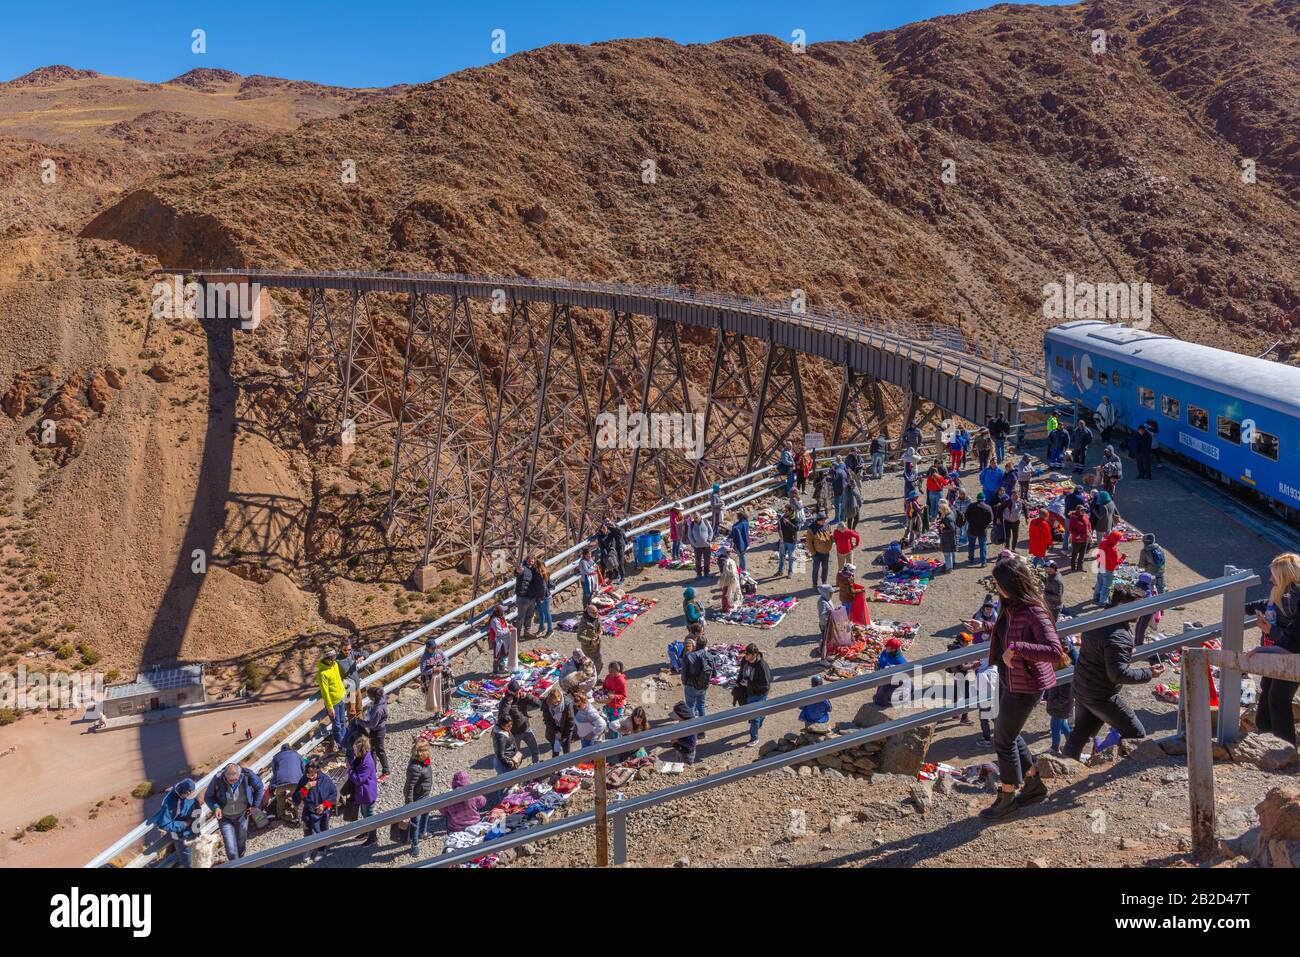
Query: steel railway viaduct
[(510, 461)]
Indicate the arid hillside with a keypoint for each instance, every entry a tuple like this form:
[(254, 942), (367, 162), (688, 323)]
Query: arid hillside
[(104, 133), (820, 170)]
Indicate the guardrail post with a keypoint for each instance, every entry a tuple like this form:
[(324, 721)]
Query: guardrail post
[(1234, 611), (620, 838), (1200, 754), (602, 815)]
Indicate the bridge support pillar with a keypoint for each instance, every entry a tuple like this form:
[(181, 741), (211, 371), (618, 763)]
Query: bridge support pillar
[(622, 378), (780, 411), (729, 413), (861, 413), (665, 391)]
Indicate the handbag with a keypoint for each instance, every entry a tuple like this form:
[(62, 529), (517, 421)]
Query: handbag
[(351, 809)]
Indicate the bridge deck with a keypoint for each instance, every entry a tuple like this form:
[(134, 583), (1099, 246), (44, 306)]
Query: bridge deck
[(963, 384)]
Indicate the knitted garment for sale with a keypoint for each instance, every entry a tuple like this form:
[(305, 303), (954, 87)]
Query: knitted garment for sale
[(869, 641), (901, 589), (757, 611)]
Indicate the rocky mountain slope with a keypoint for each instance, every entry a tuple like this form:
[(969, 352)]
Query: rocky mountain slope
[(104, 134)]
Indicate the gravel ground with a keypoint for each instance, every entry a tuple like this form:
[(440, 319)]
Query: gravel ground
[(1196, 549)]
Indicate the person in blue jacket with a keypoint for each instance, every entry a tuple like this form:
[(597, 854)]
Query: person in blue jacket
[(739, 537), (990, 479), (318, 795), (891, 655), (819, 712), (233, 795), (176, 818)]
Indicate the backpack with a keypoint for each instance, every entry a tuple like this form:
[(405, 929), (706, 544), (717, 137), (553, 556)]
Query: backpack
[(675, 649), (1158, 556), (696, 669)]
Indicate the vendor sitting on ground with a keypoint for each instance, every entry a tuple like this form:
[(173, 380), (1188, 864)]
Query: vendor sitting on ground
[(891, 655), (819, 712), (897, 562)]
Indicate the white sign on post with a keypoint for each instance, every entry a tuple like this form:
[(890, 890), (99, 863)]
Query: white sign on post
[(813, 440)]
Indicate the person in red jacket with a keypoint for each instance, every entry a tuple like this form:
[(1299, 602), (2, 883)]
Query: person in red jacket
[(1080, 535), (1108, 559), (1026, 651), (935, 483), (1040, 539), (846, 539), (858, 613)]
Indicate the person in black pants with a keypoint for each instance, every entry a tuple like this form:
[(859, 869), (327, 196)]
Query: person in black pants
[(1280, 623), (1105, 665), (375, 723), (1026, 651)]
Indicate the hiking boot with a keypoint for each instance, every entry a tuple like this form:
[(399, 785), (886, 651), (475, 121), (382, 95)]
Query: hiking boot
[(1003, 806), (1033, 791)]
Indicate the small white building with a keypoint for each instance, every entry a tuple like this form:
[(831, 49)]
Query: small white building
[(155, 690)]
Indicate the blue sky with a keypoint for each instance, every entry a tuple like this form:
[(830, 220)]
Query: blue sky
[(353, 43)]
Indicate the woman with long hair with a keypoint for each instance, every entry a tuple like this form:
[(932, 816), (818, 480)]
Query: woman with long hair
[(1280, 623), (542, 575), (1026, 651)]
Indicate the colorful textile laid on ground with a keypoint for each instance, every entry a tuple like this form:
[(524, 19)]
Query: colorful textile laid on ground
[(762, 525), (687, 561), (1170, 689), (757, 611), (470, 719), (617, 612), (931, 772), (905, 588), (868, 641), (524, 805), (726, 663), (1130, 533), (618, 619), (928, 539), (1127, 574)]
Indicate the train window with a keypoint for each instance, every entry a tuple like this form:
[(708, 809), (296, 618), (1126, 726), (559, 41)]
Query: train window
[(1069, 365), (1060, 362), (1171, 407), (1229, 430), (1104, 379), (1146, 397), (1198, 418), (1092, 374), (1265, 445), (1114, 377)]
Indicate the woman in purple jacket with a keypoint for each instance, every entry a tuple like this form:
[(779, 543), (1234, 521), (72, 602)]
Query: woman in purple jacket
[(365, 784), (464, 814), (1026, 651)]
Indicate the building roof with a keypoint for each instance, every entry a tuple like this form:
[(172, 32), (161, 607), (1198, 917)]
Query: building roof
[(157, 680), (1268, 383)]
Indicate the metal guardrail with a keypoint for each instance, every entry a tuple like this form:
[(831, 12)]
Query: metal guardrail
[(467, 634), (1232, 587)]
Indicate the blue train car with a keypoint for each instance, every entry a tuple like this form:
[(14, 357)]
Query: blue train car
[(1236, 416)]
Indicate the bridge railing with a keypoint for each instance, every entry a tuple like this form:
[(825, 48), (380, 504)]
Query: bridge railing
[(1003, 370), (299, 727), (1231, 587)]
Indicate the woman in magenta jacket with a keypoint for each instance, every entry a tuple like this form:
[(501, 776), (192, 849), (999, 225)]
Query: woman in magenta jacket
[(1026, 651)]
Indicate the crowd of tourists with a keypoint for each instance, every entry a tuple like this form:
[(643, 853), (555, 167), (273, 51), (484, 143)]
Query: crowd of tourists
[(589, 703)]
